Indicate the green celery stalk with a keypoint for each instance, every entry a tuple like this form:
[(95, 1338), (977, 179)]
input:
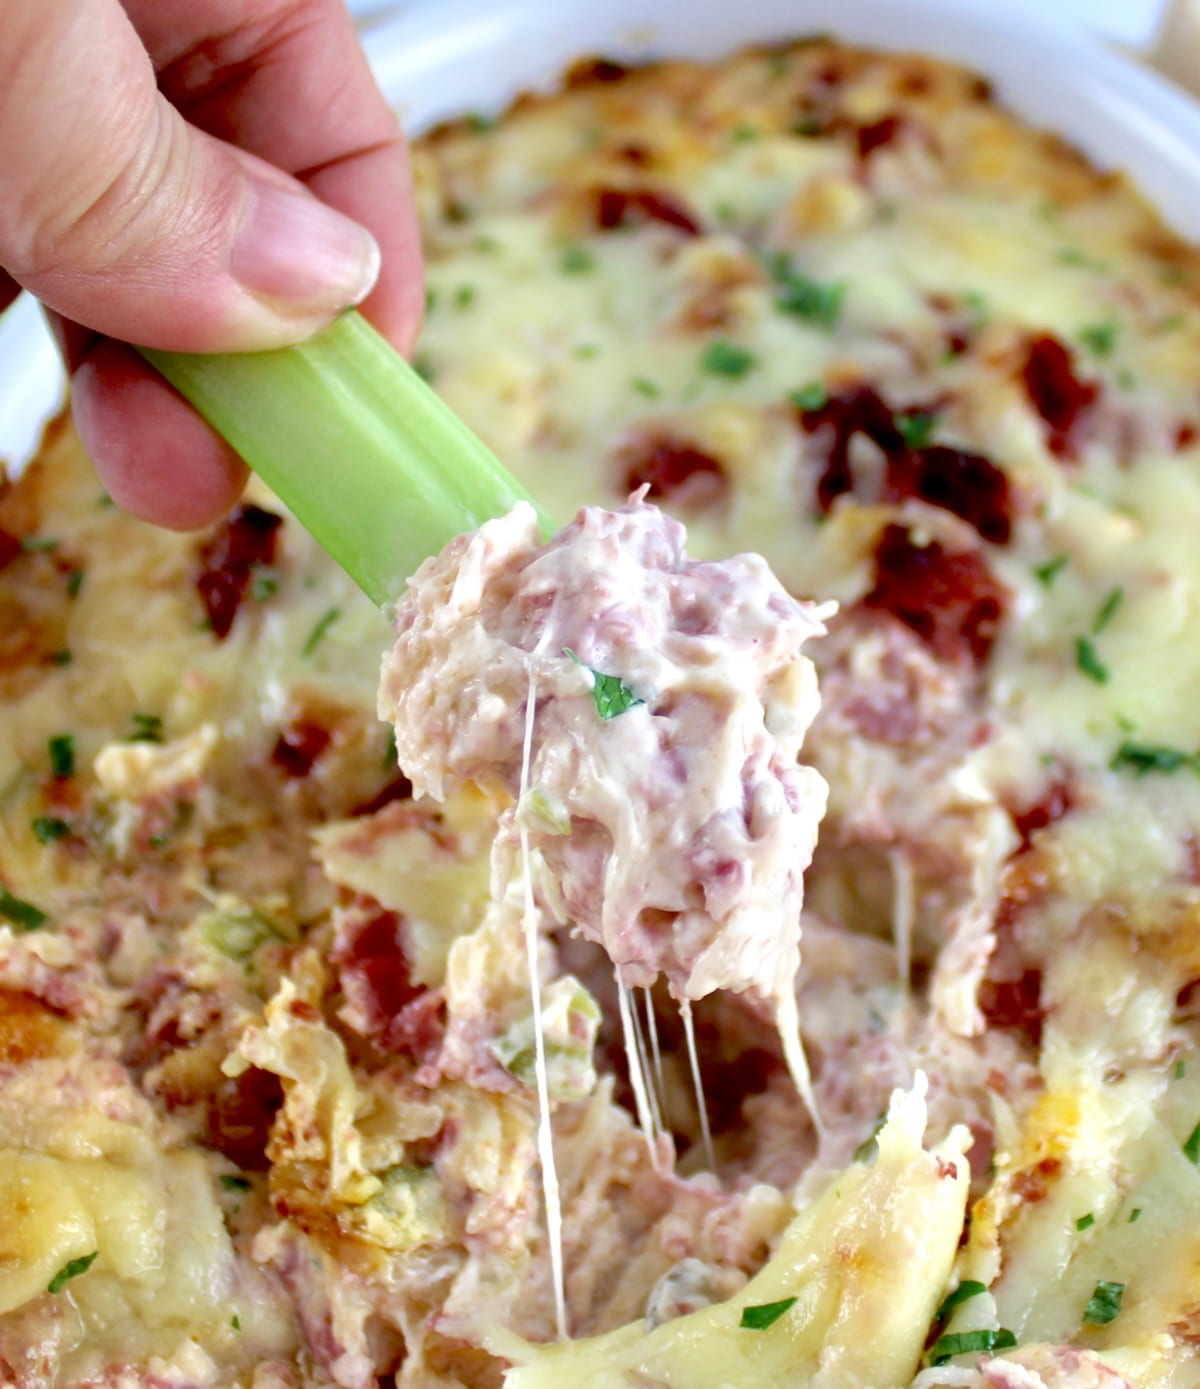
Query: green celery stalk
[(365, 455)]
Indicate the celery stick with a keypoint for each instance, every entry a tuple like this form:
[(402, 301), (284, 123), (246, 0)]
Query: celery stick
[(366, 456)]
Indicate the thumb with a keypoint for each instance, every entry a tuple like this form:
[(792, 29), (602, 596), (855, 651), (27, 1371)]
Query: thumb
[(119, 215)]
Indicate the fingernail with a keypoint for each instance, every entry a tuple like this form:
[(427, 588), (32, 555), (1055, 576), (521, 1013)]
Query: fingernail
[(299, 252)]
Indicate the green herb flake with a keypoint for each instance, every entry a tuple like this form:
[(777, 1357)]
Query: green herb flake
[(724, 358), (71, 1270), (61, 749), (765, 1314), (609, 692), (49, 829), (464, 296), (806, 298), (480, 123), (1134, 1215), (1089, 662), (916, 427), (966, 1290), (1108, 610), (1099, 338), (61, 658), (1104, 1303), (1180, 1069), (576, 260), (1046, 573), (317, 635), (1085, 1222), (1191, 1146), (230, 1181), (74, 582), (145, 728), (809, 127), (585, 351), (813, 396), (1143, 758), (19, 912), (945, 1348), (39, 544), (744, 134), (264, 583), (644, 386), (236, 1322)]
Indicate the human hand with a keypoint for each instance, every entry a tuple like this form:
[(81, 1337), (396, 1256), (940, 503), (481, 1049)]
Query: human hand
[(169, 175)]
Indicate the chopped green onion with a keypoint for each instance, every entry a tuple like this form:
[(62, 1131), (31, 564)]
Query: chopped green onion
[(1108, 610), (62, 754), (945, 1348), (1143, 758), (317, 635), (236, 1322), (19, 912), (49, 829), (765, 1314), (810, 397), (1134, 1215), (371, 462), (1046, 573), (1191, 1146), (1099, 338), (1089, 662), (145, 728), (725, 358), (1180, 1068), (71, 1270), (74, 582), (576, 260), (966, 1290), (916, 427), (609, 692), (1085, 1222), (230, 1181), (1104, 1303)]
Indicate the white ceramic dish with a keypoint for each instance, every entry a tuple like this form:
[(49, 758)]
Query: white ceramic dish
[(439, 59)]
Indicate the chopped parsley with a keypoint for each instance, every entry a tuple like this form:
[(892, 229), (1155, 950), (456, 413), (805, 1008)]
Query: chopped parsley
[(611, 695), (1104, 1303), (724, 358), (1143, 758), (71, 1270), (264, 583), (945, 1348), (464, 296), (1072, 255), (765, 1314), (1191, 1146), (1085, 1222), (1108, 610), (808, 126), (479, 122), (809, 299), (61, 658), (1046, 573), (317, 635), (644, 386), (743, 134), (966, 1290), (19, 912), (576, 260), (74, 582), (1134, 1215), (230, 1181), (1180, 1069), (810, 397), (145, 728), (49, 829), (916, 427), (39, 544), (1089, 662), (1099, 338), (236, 1322), (62, 754)]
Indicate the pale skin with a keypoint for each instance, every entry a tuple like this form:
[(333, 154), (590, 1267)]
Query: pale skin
[(199, 176)]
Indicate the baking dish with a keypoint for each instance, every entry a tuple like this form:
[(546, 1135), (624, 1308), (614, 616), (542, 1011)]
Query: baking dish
[(438, 60)]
